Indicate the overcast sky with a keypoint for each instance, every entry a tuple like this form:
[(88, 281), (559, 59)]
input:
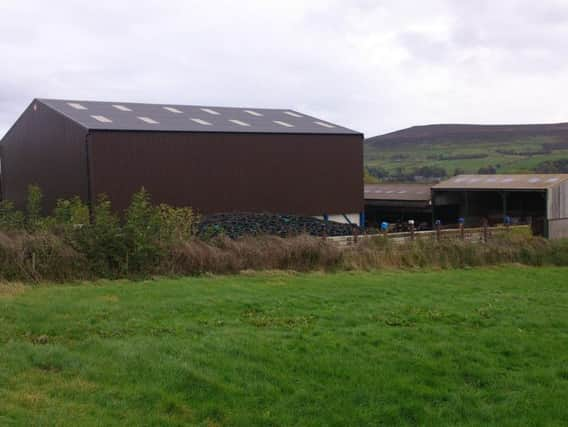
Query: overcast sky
[(372, 65)]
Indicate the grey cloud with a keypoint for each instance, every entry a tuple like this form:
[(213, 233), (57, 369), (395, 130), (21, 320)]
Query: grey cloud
[(373, 66)]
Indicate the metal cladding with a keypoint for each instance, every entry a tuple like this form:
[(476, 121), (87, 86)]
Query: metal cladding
[(241, 160), (502, 182), (95, 115), (302, 174)]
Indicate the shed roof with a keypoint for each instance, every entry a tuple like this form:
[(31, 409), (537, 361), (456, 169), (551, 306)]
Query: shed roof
[(402, 192), (97, 115), (502, 182)]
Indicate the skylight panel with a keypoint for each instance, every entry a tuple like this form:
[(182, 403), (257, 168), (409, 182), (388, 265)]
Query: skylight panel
[(121, 107), (291, 113), (325, 125), (506, 180), (402, 192), (552, 180), (281, 123), (77, 106), (210, 111), (254, 113), (101, 119), (173, 110), (201, 121), (238, 122), (148, 120)]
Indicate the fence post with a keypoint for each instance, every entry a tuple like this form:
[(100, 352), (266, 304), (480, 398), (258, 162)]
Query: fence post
[(507, 222), (484, 230), (438, 229), (33, 262), (411, 224), (384, 228), (461, 222)]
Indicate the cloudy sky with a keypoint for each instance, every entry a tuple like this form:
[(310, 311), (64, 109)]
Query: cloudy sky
[(372, 65)]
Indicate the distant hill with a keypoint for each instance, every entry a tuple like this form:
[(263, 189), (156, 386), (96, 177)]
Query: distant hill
[(458, 133), (445, 149)]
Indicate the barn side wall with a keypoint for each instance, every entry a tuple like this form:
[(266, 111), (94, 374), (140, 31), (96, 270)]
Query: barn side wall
[(558, 211), (47, 149), (214, 172)]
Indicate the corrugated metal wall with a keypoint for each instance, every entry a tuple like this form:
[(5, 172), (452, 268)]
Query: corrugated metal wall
[(558, 201), (218, 172), (558, 211), (44, 148)]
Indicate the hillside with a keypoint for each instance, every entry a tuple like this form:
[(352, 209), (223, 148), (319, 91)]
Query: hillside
[(450, 148)]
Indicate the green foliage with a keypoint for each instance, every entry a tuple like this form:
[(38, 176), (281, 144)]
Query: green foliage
[(552, 166), (142, 232), (368, 178), (10, 218), (489, 170), (102, 241), (71, 212), (176, 224), (34, 218)]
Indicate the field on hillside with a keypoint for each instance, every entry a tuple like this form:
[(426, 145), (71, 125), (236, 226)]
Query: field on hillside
[(445, 154), (458, 347)]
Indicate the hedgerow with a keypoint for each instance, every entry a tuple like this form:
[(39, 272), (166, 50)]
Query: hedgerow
[(77, 243)]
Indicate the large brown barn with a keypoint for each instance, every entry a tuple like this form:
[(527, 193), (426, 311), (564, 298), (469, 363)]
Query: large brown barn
[(215, 159)]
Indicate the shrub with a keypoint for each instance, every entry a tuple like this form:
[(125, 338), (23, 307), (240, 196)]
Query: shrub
[(34, 218), (142, 233), (10, 218), (177, 224), (71, 212), (102, 241)]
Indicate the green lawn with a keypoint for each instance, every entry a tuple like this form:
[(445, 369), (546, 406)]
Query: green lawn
[(471, 347)]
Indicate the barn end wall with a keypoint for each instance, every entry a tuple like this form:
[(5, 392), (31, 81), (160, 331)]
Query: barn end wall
[(47, 149), (221, 172)]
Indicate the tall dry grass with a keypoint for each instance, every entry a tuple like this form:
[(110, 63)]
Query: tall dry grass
[(224, 255), (42, 256), (380, 253)]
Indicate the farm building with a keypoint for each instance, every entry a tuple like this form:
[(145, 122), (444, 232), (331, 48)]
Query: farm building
[(539, 200), (398, 203), (215, 159)]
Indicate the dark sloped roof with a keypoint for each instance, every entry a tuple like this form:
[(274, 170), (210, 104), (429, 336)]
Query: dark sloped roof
[(98, 115), (502, 182)]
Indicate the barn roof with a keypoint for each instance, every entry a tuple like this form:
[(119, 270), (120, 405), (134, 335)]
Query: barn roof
[(405, 192), (97, 115), (502, 182)]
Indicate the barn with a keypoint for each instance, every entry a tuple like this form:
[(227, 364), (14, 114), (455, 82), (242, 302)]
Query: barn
[(537, 199), (215, 159), (398, 203)]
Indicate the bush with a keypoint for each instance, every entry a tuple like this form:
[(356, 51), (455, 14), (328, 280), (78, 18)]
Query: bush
[(10, 218), (102, 241), (77, 244)]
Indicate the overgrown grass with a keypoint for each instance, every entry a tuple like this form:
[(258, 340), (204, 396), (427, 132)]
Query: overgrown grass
[(43, 256), (475, 347)]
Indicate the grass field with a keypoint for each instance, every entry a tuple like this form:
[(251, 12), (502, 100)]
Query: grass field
[(458, 347), (412, 156)]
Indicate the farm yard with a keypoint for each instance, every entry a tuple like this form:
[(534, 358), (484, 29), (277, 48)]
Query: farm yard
[(481, 346)]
